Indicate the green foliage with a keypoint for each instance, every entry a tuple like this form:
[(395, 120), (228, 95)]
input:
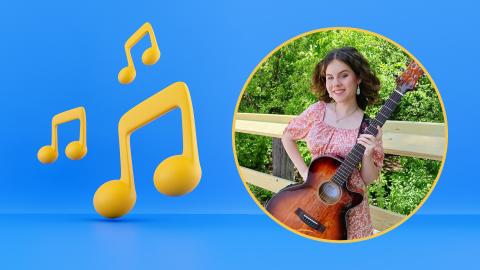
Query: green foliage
[(254, 152), (402, 190), (281, 85), (262, 195)]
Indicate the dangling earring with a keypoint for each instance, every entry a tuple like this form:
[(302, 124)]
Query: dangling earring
[(358, 89)]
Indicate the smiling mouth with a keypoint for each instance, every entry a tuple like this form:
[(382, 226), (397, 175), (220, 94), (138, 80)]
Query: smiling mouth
[(338, 91)]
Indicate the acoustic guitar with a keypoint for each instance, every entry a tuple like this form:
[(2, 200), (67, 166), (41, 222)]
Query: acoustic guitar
[(318, 207)]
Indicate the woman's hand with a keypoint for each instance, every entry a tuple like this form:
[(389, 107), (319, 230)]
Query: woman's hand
[(290, 146), (369, 142)]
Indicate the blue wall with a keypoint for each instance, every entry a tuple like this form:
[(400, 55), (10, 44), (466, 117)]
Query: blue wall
[(59, 55)]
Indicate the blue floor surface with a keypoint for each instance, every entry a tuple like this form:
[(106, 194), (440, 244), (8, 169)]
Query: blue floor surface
[(63, 241)]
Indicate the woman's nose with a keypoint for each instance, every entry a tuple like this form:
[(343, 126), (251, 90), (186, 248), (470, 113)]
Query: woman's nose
[(336, 81)]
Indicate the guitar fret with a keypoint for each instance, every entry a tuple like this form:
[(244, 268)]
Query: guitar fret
[(358, 152), (396, 103), (386, 107), (392, 101), (354, 154), (383, 116), (336, 181), (395, 96), (346, 173), (374, 130), (376, 122), (348, 170), (339, 180), (380, 112), (349, 164), (341, 171), (354, 166)]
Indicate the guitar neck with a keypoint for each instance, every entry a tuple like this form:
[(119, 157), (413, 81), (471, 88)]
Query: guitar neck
[(354, 158)]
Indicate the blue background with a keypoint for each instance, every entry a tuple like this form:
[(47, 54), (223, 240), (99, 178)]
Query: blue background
[(58, 55)]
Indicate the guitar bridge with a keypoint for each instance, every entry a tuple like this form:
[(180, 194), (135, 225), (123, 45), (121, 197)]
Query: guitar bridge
[(309, 220)]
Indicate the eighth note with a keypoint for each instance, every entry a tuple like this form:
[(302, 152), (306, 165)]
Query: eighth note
[(76, 149), (176, 175), (149, 57)]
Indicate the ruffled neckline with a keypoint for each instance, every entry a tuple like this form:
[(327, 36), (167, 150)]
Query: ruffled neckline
[(321, 118)]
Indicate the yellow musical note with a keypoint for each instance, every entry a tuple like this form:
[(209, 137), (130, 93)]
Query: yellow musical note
[(149, 57), (176, 175), (75, 150)]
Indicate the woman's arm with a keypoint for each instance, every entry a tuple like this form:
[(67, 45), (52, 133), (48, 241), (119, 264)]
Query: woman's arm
[(290, 146), (369, 171)]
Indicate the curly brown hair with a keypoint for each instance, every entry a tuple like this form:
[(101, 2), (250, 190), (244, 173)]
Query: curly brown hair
[(369, 86)]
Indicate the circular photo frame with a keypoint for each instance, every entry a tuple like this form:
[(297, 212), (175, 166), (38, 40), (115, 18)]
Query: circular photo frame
[(363, 112)]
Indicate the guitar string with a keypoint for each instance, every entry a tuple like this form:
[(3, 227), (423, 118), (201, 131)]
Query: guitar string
[(390, 101), (341, 182), (334, 178)]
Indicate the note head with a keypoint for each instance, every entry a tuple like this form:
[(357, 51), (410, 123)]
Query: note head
[(114, 199), (47, 154), (127, 75), (177, 175), (151, 56), (75, 150)]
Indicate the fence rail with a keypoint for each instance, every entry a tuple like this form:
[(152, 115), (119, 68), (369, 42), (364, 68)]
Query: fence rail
[(404, 138)]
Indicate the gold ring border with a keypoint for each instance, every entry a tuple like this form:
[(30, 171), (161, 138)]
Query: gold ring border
[(324, 30)]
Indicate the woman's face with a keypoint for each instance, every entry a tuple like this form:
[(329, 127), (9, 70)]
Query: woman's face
[(341, 81)]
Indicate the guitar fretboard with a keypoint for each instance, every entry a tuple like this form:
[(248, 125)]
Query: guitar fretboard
[(354, 158)]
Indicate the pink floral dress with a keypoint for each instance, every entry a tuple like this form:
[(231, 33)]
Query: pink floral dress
[(323, 139)]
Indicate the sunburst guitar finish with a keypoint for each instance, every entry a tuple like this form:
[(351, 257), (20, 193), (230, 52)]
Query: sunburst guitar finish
[(318, 206)]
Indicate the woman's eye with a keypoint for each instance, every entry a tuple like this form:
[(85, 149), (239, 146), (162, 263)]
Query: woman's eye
[(344, 75), (329, 78)]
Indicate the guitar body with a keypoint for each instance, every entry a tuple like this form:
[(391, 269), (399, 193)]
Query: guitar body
[(317, 207)]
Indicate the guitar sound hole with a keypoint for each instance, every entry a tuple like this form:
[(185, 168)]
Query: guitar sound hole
[(329, 192)]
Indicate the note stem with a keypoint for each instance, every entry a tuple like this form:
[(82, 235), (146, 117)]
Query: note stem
[(67, 116), (135, 38), (173, 96)]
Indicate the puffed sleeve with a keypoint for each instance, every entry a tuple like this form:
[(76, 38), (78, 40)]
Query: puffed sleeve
[(378, 154), (299, 126)]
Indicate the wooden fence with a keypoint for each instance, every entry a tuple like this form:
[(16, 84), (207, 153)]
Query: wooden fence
[(414, 139)]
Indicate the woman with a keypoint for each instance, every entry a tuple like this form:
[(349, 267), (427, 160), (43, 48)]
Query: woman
[(345, 85)]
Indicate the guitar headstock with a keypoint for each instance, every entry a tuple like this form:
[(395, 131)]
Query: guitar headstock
[(409, 77)]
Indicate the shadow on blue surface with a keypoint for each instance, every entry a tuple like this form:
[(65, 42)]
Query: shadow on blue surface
[(223, 242)]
